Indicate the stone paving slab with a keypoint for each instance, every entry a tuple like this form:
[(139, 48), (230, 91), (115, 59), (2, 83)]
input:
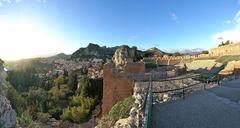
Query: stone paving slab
[(203, 109), (230, 93), (233, 84)]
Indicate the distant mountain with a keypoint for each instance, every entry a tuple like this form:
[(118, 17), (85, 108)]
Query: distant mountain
[(94, 51), (191, 51), (154, 52), (60, 56), (185, 51)]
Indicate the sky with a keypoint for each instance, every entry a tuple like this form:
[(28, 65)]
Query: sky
[(31, 28)]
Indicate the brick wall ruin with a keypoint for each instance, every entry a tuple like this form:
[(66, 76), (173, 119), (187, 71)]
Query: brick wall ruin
[(118, 85)]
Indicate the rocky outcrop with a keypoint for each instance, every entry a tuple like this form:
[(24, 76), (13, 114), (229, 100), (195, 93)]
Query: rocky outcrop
[(125, 54), (137, 116), (7, 114), (93, 51), (121, 56)]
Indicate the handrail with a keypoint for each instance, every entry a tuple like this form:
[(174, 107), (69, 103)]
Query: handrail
[(149, 103), (145, 98), (171, 79), (171, 90), (149, 95)]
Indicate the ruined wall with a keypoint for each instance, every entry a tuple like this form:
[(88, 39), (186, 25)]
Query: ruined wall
[(232, 67), (135, 67), (231, 49), (118, 85)]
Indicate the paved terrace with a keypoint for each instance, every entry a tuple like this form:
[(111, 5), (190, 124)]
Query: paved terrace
[(218, 107)]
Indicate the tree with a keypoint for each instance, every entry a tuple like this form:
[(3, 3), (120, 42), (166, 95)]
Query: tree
[(59, 80), (72, 80), (85, 87), (176, 54), (205, 52), (90, 87), (37, 98), (16, 100)]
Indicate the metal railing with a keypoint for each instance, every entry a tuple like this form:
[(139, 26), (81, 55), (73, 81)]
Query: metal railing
[(148, 105), (149, 95)]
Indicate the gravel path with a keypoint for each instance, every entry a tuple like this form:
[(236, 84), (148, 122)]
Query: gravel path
[(215, 108)]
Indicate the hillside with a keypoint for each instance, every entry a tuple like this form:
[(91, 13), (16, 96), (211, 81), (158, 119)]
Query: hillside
[(94, 51), (153, 52)]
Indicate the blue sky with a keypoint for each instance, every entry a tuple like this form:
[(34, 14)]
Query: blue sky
[(166, 24)]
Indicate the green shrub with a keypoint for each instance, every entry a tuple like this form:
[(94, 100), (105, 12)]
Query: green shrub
[(79, 110), (16, 100), (76, 114), (25, 121), (121, 109), (104, 122), (150, 65), (43, 117), (55, 112), (204, 52), (90, 88)]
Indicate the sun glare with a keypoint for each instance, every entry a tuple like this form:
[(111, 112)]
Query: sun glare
[(24, 39)]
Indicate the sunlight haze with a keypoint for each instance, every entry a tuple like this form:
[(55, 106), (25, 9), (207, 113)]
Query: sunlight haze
[(23, 39)]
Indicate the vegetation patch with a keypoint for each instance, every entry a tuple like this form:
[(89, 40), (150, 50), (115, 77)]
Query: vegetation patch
[(121, 109), (150, 63)]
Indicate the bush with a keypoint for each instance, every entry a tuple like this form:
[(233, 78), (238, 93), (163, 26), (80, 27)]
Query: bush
[(43, 117), (55, 113), (204, 52), (90, 88), (25, 121), (16, 100), (76, 114), (79, 110), (150, 65), (104, 122), (72, 80), (121, 109), (37, 99)]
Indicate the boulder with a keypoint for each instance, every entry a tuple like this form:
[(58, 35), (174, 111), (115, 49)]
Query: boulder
[(7, 114)]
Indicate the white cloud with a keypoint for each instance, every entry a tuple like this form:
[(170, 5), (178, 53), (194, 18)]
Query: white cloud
[(17, 1), (236, 19), (227, 22), (2, 2), (43, 1), (174, 17), (231, 34)]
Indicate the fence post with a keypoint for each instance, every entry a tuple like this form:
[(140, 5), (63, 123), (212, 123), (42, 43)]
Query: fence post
[(183, 93), (218, 81)]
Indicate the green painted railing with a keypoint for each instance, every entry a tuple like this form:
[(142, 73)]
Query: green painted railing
[(149, 96), (148, 110)]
